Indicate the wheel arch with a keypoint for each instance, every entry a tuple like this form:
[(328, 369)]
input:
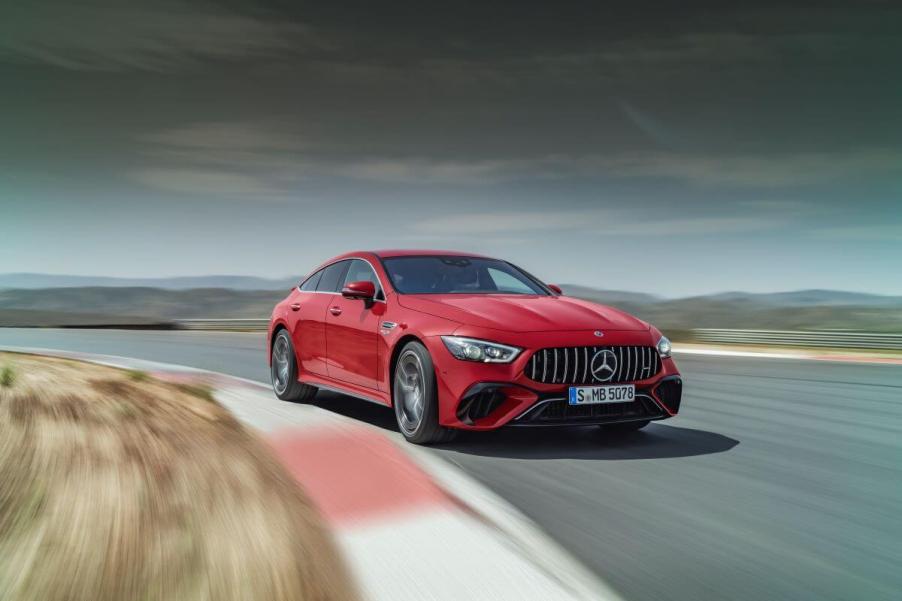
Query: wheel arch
[(272, 338), (396, 350)]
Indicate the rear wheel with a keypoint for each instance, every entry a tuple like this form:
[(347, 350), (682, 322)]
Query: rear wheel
[(284, 371), (415, 398), (624, 427)]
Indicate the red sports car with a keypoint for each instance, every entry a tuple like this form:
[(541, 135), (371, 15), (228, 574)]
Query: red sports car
[(455, 341)]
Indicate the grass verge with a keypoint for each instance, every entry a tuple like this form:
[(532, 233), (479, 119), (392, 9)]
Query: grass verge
[(115, 487), (7, 376)]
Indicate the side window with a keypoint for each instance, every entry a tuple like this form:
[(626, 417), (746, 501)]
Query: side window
[(361, 271), (505, 282), (331, 277), (310, 283)]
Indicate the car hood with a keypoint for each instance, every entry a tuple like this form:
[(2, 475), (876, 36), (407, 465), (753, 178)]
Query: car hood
[(522, 313)]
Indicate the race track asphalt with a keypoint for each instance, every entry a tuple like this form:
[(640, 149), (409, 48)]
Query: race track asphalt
[(781, 479)]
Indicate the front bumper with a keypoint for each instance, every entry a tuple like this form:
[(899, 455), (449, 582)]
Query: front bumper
[(486, 396)]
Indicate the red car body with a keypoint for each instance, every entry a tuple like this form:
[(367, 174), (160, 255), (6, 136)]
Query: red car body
[(348, 345)]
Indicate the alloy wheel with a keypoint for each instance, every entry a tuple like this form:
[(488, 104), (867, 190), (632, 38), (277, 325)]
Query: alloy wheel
[(281, 365), (410, 390)]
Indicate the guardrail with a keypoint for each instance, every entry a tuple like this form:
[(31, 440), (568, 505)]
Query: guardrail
[(822, 338), (223, 325)]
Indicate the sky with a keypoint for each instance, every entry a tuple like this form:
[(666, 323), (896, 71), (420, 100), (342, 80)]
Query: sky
[(692, 148)]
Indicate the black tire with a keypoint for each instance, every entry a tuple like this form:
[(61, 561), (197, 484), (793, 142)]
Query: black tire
[(284, 376), (417, 427), (624, 427)]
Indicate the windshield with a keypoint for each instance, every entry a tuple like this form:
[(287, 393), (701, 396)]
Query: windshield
[(459, 275)]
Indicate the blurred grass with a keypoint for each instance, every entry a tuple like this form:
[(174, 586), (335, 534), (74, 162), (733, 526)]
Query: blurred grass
[(120, 487), (136, 375), (201, 391), (7, 376)]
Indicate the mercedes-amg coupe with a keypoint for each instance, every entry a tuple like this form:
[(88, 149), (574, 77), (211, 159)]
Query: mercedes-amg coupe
[(455, 341)]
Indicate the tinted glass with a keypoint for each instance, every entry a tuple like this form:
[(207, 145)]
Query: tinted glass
[(331, 277), (361, 271), (458, 275), (506, 282), (310, 283)]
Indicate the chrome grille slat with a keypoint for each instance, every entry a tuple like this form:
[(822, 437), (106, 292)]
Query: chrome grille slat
[(629, 359), (635, 351), (634, 363), (544, 363), (575, 364), (619, 374), (644, 364), (566, 364), (576, 369)]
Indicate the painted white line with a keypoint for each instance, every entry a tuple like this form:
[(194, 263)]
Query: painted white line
[(796, 356), (728, 353), (520, 532), (447, 555)]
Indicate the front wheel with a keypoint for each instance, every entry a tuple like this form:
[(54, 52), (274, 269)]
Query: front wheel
[(284, 371), (415, 398)]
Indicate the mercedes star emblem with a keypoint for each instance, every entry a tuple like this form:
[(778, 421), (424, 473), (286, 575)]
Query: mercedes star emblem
[(604, 365)]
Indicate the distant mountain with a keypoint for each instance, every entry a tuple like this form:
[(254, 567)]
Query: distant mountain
[(610, 297), (802, 310), (25, 318), (812, 298), (797, 298), (154, 303), (32, 281)]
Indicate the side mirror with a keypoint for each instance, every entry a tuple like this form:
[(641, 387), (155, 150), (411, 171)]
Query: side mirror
[(363, 290), (555, 288)]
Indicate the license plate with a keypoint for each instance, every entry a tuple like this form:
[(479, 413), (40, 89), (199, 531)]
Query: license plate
[(591, 395)]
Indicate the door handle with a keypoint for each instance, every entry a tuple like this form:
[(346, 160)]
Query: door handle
[(335, 310), (295, 306)]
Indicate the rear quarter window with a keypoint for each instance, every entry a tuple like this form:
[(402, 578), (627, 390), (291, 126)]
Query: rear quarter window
[(332, 276), (310, 283)]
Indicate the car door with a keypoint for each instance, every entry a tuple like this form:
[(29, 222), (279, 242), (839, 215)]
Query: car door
[(309, 316), (352, 330)]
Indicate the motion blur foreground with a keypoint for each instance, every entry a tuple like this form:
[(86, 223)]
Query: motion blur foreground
[(727, 170)]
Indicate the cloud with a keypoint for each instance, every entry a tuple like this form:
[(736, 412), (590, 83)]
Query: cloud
[(882, 232), (429, 171), (278, 153), (773, 170), (192, 182), (159, 36), (745, 171), (510, 221), (229, 135), (590, 221), (223, 159)]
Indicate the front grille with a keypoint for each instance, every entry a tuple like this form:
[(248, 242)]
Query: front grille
[(561, 412), (573, 365)]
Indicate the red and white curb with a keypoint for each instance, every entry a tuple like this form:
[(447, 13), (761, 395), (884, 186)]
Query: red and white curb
[(411, 525)]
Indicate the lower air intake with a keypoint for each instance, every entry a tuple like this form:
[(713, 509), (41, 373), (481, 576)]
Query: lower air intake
[(670, 392)]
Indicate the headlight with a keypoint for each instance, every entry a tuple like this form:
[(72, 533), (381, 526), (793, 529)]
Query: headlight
[(470, 349), (664, 348)]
